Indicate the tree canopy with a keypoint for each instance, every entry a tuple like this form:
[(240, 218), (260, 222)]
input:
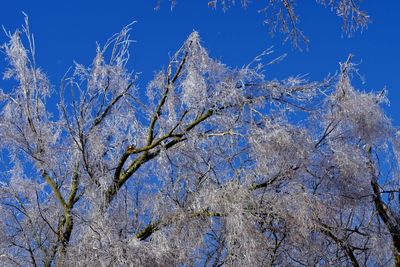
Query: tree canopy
[(216, 166)]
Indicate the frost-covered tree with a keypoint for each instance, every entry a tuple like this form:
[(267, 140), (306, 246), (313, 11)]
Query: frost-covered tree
[(281, 15), (216, 166)]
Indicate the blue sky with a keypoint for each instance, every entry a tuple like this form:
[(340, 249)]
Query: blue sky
[(68, 30)]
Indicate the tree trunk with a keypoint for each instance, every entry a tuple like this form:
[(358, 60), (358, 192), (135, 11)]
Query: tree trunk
[(389, 219)]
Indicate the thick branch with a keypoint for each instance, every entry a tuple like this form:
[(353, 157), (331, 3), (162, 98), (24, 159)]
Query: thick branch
[(157, 113), (55, 189), (154, 227), (121, 177), (347, 248), (385, 213)]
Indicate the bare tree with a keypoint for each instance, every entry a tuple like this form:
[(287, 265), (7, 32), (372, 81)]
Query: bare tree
[(217, 166)]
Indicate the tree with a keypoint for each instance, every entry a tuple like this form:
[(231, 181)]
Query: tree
[(217, 166), (281, 16)]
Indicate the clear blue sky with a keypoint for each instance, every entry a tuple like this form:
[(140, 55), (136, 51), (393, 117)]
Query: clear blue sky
[(68, 30)]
